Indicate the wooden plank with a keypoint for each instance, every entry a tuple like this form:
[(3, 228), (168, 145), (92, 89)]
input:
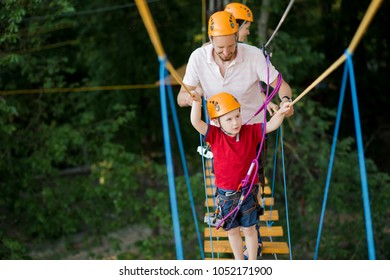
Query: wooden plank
[(269, 201), (218, 259), (223, 246), (264, 231), (268, 215), (211, 190)]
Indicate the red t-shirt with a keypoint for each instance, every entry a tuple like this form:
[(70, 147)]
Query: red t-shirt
[(232, 158)]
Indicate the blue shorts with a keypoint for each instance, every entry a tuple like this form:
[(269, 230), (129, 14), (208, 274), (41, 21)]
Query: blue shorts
[(247, 216)]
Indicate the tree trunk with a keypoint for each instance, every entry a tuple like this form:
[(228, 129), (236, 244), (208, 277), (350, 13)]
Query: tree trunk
[(262, 22)]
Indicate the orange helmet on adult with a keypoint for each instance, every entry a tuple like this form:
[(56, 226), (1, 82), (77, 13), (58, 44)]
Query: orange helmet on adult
[(240, 11), (221, 104), (222, 23)]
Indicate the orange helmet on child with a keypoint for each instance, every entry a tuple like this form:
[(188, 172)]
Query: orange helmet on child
[(240, 11), (221, 104), (222, 23)]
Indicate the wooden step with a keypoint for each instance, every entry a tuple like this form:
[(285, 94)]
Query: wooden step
[(269, 201), (268, 215), (264, 231), (223, 246), (211, 190)]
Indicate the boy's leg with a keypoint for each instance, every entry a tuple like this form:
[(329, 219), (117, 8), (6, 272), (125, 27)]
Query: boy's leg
[(259, 244), (257, 230), (235, 241), (251, 241)]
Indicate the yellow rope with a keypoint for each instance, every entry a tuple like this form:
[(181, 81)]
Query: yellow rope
[(334, 66), (372, 9), (145, 14), (79, 89), (152, 31)]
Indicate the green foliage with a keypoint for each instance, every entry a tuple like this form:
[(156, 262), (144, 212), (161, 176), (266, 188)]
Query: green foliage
[(159, 217), (89, 163), (7, 113), (306, 141)]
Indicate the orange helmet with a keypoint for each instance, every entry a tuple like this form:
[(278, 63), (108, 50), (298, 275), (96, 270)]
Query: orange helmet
[(221, 104), (222, 23), (240, 11)]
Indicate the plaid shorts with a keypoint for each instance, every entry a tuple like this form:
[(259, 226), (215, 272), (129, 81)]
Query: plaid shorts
[(247, 215)]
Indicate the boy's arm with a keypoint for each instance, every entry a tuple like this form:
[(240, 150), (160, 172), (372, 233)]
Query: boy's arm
[(196, 117), (277, 119)]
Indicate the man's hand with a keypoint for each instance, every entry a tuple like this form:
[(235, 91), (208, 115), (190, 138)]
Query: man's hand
[(272, 108)]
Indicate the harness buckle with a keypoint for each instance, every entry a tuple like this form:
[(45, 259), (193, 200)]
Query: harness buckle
[(213, 219)]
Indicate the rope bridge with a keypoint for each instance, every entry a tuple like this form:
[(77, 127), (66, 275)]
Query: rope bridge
[(217, 245)]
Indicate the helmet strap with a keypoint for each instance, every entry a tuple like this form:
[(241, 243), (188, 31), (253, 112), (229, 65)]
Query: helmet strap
[(242, 25), (227, 133)]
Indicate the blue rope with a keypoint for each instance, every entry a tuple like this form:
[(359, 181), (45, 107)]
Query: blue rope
[(270, 223), (168, 158), (363, 174), (366, 200), (201, 143), (275, 161), (285, 191), (331, 160), (183, 160)]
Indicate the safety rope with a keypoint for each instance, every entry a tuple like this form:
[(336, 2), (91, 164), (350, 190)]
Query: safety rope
[(76, 89), (285, 191), (164, 64), (207, 205), (183, 160), (144, 11), (270, 222), (348, 69), (169, 163), (280, 22), (374, 6), (362, 164)]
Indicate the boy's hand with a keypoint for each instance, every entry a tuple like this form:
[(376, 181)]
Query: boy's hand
[(291, 108), (191, 95), (195, 97), (285, 107)]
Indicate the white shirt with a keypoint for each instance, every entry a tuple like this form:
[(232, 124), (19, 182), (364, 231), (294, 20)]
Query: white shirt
[(241, 78)]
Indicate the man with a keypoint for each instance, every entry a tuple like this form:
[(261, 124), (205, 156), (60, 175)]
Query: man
[(244, 18), (225, 65)]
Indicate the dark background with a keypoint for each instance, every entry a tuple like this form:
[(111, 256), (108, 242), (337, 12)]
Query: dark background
[(78, 164)]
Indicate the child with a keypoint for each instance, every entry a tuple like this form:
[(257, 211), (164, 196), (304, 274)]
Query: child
[(234, 148)]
